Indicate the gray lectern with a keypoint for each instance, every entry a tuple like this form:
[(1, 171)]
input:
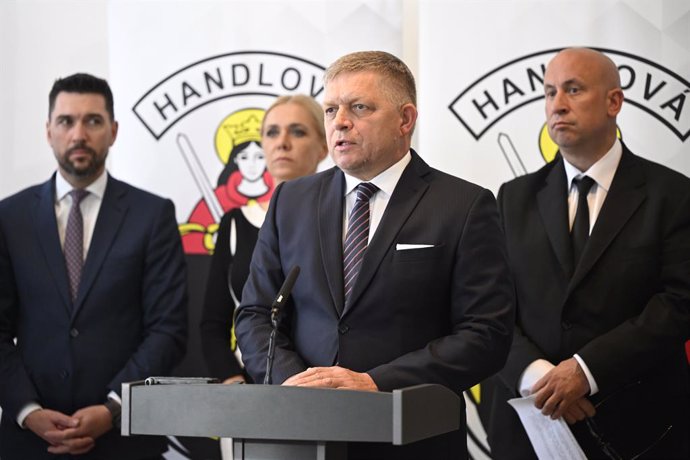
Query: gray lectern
[(289, 423)]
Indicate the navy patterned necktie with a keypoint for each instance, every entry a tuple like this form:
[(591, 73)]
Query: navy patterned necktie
[(580, 231), (74, 242), (357, 236)]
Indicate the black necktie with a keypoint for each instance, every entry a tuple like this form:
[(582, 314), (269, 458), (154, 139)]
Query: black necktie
[(357, 236), (74, 242), (580, 231)]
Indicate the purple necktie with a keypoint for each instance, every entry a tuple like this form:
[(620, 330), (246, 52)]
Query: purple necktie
[(357, 236), (74, 242)]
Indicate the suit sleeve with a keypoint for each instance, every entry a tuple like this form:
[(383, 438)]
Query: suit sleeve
[(636, 345), (16, 388), (253, 316), (218, 309), (523, 351), (481, 311), (163, 304)]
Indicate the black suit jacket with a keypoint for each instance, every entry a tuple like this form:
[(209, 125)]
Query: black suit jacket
[(625, 309), (128, 321), (435, 315)]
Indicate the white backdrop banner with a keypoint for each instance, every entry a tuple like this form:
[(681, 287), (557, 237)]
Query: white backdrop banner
[(481, 88), (483, 118), (195, 78), (192, 80)]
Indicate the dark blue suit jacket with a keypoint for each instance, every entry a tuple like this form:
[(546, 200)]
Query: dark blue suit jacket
[(434, 315), (128, 321)]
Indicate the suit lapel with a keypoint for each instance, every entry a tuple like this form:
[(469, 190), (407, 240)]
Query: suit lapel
[(330, 209), (110, 217), (552, 201), (407, 193), (625, 196), (49, 240)]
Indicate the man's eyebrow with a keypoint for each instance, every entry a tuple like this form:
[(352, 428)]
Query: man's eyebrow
[(569, 82)]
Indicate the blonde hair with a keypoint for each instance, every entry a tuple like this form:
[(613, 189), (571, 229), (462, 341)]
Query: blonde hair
[(401, 85), (307, 103)]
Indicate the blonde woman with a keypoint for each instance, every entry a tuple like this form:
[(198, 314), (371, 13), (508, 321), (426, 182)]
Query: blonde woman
[(294, 142)]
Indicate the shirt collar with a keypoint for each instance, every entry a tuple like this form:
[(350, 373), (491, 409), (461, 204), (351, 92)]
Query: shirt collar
[(602, 171), (96, 188), (385, 181)]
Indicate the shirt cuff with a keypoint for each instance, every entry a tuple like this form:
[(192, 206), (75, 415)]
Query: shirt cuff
[(29, 408), (593, 387), (114, 396), (532, 373)]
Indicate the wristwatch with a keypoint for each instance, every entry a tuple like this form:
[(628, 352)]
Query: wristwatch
[(115, 411)]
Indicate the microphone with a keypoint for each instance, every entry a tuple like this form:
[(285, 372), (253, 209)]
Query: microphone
[(277, 305)]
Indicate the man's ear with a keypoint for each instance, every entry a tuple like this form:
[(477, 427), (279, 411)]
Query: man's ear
[(409, 118), (115, 128), (615, 101)]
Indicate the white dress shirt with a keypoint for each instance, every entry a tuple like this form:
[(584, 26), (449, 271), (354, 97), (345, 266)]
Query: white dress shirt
[(90, 205), (602, 172), (386, 182)]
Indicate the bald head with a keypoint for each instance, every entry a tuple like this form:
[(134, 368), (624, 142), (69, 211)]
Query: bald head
[(583, 98), (602, 67)]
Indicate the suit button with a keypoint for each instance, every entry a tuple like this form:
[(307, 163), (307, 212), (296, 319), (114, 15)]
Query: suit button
[(64, 374), (566, 325), (343, 328), (73, 332)]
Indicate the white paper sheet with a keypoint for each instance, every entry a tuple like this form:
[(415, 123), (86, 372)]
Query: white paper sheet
[(550, 438)]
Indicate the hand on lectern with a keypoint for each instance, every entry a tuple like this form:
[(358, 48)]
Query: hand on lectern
[(234, 379), (332, 377)]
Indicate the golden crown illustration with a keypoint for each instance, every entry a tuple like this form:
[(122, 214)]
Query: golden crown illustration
[(246, 131)]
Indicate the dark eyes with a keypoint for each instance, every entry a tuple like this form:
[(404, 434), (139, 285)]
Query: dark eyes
[(355, 108), (550, 93), (296, 131), (69, 121), (245, 156)]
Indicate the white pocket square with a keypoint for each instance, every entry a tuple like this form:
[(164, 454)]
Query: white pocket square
[(405, 247)]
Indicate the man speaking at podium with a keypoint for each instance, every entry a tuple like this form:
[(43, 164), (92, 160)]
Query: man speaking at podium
[(404, 277)]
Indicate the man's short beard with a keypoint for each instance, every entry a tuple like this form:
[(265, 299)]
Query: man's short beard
[(92, 169)]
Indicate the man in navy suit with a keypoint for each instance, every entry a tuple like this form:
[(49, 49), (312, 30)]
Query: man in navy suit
[(601, 320), (432, 300), (92, 292)]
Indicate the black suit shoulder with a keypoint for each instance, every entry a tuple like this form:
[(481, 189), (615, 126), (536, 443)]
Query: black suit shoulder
[(21, 198), (305, 184), (657, 175), (533, 180), (135, 195)]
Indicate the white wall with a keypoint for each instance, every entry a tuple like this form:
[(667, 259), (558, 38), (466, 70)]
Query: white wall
[(39, 41)]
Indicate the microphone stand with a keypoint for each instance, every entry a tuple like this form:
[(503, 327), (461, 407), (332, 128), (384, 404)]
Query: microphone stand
[(271, 345), (275, 311)]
